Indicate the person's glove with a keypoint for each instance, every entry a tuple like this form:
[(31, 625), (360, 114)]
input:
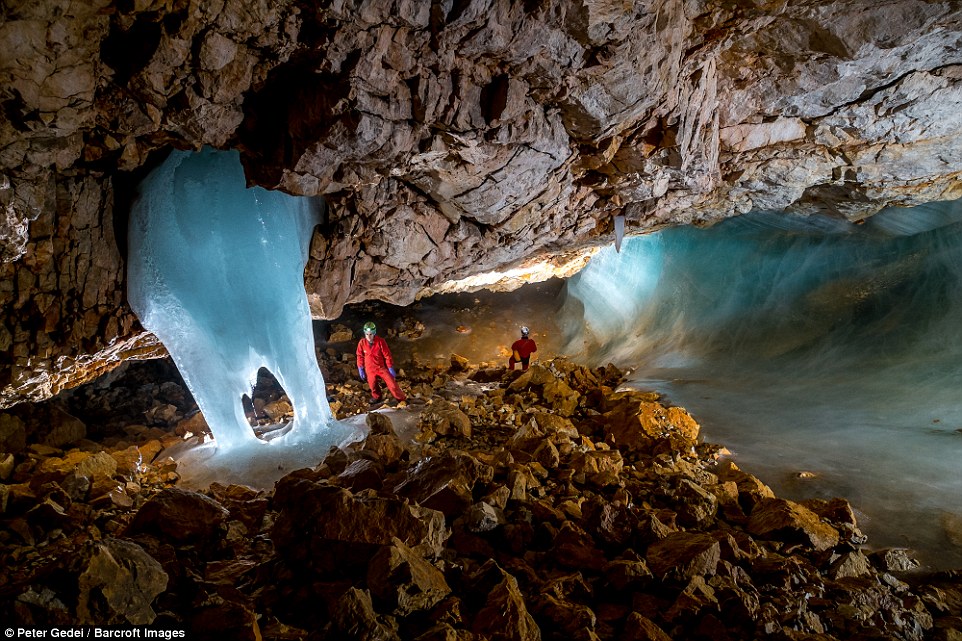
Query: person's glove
[(360, 372), (391, 370)]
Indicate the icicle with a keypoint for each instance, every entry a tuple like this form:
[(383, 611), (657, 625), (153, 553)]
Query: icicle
[(619, 232)]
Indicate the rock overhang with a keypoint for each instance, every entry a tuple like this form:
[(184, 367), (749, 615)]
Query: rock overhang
[(452, 141)]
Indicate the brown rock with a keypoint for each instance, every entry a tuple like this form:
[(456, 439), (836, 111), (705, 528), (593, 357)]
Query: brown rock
[(7, 463), (481, 517), (181, 517), (850, 564), (225, 619), (893, 560), (279, 410), (387, 449), (445, 482), (547, 455), (697, 506), (444, 632), (361, 474), (613, 523), (446, 419), (403, 581), (684, 555), (696, 597), (786, 520), (353, 617), (574, 548), (192, 425), (639, 628), (527, 438), (129, 461), (117, 582), (751, 491), (561, 397), (560, 617), (459, 364), (336, 460), (627, 574), (503, 615), (340, 333), (379, 423), (320, 526), (556, 427), (638, 425)]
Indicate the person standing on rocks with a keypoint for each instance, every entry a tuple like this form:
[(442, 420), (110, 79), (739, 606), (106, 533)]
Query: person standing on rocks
[(374, 361), (521, 350)]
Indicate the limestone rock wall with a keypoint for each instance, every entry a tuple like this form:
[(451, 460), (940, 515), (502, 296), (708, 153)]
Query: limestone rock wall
[(451, 138)]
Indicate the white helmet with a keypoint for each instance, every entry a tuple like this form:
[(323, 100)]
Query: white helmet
[(524, 330)]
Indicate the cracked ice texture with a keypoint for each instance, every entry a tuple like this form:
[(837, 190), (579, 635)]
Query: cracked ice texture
[(216, 273)]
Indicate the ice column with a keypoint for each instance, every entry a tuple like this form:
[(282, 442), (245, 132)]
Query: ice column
[(216, 272)]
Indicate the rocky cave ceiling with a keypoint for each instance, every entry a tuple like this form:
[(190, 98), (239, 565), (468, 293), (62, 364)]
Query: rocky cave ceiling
[(451, 138)]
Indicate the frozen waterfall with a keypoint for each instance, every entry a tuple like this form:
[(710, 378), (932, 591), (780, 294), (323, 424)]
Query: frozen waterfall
[(216, 273)]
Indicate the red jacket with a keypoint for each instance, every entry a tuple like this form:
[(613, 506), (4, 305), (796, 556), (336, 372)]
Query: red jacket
[(375, 355), (525, 347)]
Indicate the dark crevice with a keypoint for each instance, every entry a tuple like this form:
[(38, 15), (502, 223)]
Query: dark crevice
[(458, 7), (494, 97), (128, 51), (296, 106)]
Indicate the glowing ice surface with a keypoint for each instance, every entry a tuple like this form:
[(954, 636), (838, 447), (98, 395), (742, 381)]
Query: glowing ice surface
[(803, 343), (216, 272)]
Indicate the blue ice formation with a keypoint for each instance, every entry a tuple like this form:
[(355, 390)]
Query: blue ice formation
[(216, 272), (803, 343), (780, 289)]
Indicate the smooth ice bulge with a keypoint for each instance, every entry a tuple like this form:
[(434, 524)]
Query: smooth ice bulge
[(216, 273)]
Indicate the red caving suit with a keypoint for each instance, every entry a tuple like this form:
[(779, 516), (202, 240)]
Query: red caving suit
[(375, 358), (524, 348)]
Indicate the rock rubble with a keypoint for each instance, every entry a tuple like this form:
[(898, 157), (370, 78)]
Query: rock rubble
[(544, 504)]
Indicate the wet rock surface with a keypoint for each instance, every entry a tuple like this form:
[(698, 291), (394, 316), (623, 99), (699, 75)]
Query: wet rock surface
[(535, 523)]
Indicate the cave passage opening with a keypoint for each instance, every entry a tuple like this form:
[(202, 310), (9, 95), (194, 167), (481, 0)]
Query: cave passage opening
[(804, 344)]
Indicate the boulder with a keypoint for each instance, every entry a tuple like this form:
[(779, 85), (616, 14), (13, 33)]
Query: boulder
[(379, 423), (445, 482), (320, 526), (353, 617), (638, 425), (503, 613), (445, 419), (117, 582), (403, 582), (786, 520), (361, 474), (684, 555), (181, 517), (640, 628)]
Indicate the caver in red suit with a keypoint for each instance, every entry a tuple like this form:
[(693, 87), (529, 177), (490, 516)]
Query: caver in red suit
[(374, 361), (521, 350)]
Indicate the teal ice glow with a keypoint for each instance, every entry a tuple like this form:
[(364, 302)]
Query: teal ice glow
[(804, 343), (216, 273)]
